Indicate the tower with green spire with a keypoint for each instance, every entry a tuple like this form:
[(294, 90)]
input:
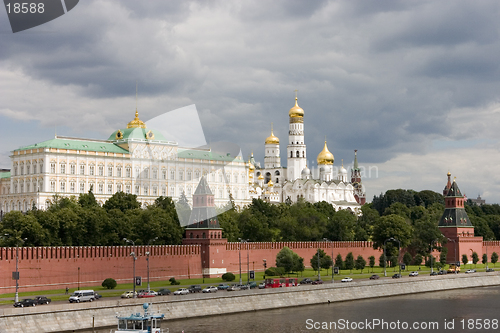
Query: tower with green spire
[(359, 190)]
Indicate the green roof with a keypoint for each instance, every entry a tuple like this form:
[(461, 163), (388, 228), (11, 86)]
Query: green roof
[(137, 133), (68, 143), (205, 155), (5, 174)]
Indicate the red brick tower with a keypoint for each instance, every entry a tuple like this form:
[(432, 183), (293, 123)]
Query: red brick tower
[(456, 226), (206, 231)]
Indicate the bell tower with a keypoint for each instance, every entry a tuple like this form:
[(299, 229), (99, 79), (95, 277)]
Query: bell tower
[(296, 149)]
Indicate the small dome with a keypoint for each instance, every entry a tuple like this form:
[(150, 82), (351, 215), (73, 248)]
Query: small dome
[(342, 170), (270, 184), (296, 111), (251, 167), (306, 172), (261, 177), (136, 122), (272, 139), (325, 157), (448, 174)]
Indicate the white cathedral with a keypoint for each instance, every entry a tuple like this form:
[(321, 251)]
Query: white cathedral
[(141, 161), (275, 183)]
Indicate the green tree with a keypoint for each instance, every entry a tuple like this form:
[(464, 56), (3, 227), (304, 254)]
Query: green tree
[(339, 262), (298, 263), (86, 200), (349, 262), (360, 263), (228, 276), (324, 260), (122, 201), (485, 258), (391, 226), (475, 258), (442, 257), (109, 283), (494, 258), (417, 260), (382, 260), (371, 260), (183, 210), (465, 259), (407, 258), (285, 259)]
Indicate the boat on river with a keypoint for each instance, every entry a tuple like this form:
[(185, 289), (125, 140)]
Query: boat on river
[(148, 322)]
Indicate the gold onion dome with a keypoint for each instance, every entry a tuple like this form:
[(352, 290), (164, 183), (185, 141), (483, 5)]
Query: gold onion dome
[(261, 177), (448, 174), (325, 157), (136, 123), (270, 184), (296, 111), (272, 139), (250, 166)]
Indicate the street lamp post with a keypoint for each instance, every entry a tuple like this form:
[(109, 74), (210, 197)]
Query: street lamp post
[(147, 259), (455, 257), (385, 256), (331, 244), (132, 254), (16, 274), (239, 251), (432, 268)]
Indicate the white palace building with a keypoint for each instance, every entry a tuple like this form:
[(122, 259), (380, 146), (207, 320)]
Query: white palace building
[(141, 161)]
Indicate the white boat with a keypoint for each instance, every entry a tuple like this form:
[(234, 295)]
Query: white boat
[(148, 322)]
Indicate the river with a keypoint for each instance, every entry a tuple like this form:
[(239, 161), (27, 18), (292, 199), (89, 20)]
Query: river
[(461, 310)]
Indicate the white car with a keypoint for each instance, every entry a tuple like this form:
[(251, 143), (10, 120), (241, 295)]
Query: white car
[(414, 273), (181, 291), (470, 271), (346, 279), (211, 289)]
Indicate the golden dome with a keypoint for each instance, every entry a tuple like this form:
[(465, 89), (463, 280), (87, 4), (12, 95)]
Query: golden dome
[(296, 111), (251, 167), (136, 123), (325, 157), (448, 174), (270, 184), (272, 139), (261, 177)]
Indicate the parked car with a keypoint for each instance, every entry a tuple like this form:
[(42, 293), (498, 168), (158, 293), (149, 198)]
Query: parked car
[(441, 272), (374, 277), (396, 276), (210, 289), (244, 286), (128, 294), (24, 303), (181, 291), (164, 291), (252, 284), (414, 273), (306, 281), (346, 279), (195, 288), (233, 287), (42, 300), (490, 270), (317, 281), (145, 294), (262, 285), (97, 296), (222, 286), (470, 271), (434, 273)]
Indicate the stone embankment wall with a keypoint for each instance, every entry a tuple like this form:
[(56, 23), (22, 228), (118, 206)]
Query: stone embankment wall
[(66, 318)]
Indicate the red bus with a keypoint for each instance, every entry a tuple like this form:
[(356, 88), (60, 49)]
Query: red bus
[(283, 282)]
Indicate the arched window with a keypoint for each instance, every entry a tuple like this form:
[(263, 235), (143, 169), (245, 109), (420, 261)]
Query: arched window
[(298, 154), (303, 154), (191, 235), (291, 154), (204, 235)]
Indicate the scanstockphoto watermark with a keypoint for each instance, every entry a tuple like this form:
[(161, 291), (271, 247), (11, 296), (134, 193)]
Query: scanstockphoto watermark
[(398, 325)]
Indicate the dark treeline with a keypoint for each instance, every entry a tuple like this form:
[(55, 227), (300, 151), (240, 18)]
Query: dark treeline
[(409, 216)]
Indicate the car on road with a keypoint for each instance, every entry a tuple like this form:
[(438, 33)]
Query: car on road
[(396, 276), (181, 291), (470, 271), (24, 303), (252, 284), (97, 296), (374, 277), (306, 281), (317, 281), (128, 294), (233, 287), (195, 288), (346, 279), (210, 289), (434, 273), (414, 273), (244, 286), (164, 291), (42, 300), (145, 294), (441, 272), (222, 286), (262, 285), (490, 270)]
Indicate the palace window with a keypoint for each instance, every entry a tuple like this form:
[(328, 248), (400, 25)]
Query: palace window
[(155, 174), (82, 169), (181, 175), (155, 191), (164, 174), (146, 173), (101, 188), (128, 172), (145, 190), (92, 170), (127, 189), (137, 172), (164, 191), (172, 174), (63, 186), (137, 189), (63, 168), (189, 175), (82, 187), (118, 171), (72, 169), (28, 169), (118, 187), (52, 168), (110, 171), (110, 189), (72, 187), (101, 170)]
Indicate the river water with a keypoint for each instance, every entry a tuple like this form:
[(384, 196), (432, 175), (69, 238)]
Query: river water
[(462, 310)]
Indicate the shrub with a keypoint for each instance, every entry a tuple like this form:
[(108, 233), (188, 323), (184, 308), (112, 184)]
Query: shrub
[(173, 281), (275, 271), (228, 277), (109, 283)]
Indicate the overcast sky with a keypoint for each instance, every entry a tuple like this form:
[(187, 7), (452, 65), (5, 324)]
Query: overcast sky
[(413, 85)]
